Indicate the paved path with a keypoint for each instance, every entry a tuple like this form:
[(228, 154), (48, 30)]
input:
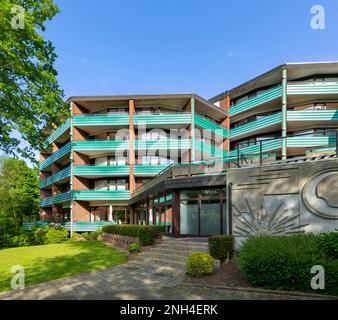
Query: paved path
[(124, 282)]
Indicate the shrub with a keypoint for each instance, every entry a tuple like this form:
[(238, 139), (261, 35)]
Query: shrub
[(56, 234), (39, 235), (21, 239), (134, 247), (285, 262), (220, 247), (77, 236), (147, 235), (200, 264), (328, 244)]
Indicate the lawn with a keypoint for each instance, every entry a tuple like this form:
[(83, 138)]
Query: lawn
[(48, 262)]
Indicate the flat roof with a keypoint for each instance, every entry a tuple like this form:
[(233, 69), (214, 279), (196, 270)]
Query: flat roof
[(296, 70), (175, 100)]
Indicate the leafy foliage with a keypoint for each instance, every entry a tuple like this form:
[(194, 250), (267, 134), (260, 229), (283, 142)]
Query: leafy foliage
[(328, 244), (221, 246), (30, 97), (285, 262), (19, 196), (200, 264), (134, 247)]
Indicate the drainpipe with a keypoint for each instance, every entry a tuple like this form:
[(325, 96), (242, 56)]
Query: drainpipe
[(71, 170), (284, 113), (229, 208)]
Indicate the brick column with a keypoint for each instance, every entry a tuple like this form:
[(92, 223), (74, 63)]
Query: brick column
[(176, 218), (225, 105)]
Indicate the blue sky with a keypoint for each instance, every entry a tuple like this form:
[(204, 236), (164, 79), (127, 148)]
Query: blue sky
[(172, 46)]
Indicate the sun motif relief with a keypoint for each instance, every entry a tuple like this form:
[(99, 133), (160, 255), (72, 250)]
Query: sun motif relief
[(247, 223)]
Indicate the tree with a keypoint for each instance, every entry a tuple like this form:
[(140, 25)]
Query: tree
[(30, 97), (19, 191)]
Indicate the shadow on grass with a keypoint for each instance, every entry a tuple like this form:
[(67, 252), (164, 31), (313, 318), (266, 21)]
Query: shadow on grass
[(88, 256)]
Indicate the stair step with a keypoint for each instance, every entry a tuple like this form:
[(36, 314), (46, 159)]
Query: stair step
[(166, 256), (180, 246), (176, 251)]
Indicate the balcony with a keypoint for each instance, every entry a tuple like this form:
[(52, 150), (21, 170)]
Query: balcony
[(148, 170), (97, 171), (211, 126), (55, 156), (57, 177), (311, 141), (164, 144), (162, 119), (258, 126), (100, 145), (57, 133), (101, 120), (46, 182), (267, 146), (46, 202), (319, 88), (93, 195), (62, 197), (313, 115), (268, 96), (205, 148)]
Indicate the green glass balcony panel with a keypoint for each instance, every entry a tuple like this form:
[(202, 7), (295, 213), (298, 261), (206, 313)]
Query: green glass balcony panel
[(210, 126), (62, 197), (46, 202), (46, 163), (63, 174), (100, 145), (267, 146), (83, 226), (308, 142), (162, 119), (46, 182), (101, 120), (56, 156), (256, 125), (57, 133), (312, 88), (92, 195), (206, 148), (313, 115), (150, 170), (165, 144), (265, 97), (101, 170)]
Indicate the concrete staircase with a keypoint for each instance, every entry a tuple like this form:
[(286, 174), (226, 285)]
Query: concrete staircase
[(170, 256)]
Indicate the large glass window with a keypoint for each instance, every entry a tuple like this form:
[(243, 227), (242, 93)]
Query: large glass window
[(189, 217), (210, 217)]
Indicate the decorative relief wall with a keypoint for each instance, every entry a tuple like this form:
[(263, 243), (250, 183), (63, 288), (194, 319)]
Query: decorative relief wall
[(284, 199)]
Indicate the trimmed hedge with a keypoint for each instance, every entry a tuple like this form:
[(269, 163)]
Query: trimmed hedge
[(221, 246), (285, 262), (147, 234), (328, 244), (200, 264)]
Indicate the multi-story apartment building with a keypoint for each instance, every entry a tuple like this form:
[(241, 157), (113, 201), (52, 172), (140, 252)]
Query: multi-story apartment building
[(99, 166)]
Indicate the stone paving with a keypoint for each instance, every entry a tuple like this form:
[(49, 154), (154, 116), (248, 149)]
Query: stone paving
[(124, 282)]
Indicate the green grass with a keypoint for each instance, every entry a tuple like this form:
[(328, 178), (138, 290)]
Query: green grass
[(53, 261)]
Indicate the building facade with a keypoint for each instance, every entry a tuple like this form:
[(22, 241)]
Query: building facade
[(163, 159)]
